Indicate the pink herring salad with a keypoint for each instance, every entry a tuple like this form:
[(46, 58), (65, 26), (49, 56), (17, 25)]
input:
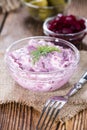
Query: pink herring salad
[(50, 62), (41, 65)]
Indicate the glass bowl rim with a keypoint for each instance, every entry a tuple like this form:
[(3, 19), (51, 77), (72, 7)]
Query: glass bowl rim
[(60, 34), (38, 7), (70, 45)]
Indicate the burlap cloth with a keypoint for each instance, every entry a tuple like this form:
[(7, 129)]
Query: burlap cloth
[(10, 91)]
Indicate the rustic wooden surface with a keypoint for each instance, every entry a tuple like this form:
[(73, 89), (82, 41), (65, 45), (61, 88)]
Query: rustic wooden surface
[(2, 19), (14, 116)]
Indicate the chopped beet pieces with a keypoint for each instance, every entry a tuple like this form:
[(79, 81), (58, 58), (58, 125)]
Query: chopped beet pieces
[(66, 24)]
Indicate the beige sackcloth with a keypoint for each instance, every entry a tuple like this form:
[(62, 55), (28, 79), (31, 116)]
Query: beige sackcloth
[(10, 91)]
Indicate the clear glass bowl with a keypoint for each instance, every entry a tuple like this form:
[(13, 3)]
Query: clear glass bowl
[(41, 13), (41, 81), (74, 38)]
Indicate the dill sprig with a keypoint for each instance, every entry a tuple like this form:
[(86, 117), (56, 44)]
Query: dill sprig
[(42, 51)]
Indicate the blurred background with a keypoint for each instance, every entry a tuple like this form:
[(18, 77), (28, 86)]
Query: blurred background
[(77, 7)]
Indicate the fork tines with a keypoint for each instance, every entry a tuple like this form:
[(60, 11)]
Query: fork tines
[(49, 114)]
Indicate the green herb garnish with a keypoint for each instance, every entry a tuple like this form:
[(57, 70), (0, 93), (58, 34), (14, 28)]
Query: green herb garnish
[(42, 51)]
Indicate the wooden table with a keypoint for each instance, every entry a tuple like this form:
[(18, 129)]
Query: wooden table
[(14, 116)]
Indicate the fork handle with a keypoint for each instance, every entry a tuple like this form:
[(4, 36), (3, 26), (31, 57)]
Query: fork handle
[(77, 86)]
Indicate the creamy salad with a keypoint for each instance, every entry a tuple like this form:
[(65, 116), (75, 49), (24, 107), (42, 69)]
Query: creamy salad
[(41, 65), (51, 57)]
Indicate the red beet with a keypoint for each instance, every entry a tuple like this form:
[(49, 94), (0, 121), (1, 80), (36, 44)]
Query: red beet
[(66, 24)]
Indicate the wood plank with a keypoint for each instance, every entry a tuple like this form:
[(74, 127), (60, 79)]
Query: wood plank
[(2, 20), (79, 8), (34, 118), (79, 122), (14, 117), (85, 43), (19, 25), (85, 119)]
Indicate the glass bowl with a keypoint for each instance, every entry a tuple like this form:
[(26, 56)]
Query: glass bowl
[(42, 12), (74, 38), (41, 81)]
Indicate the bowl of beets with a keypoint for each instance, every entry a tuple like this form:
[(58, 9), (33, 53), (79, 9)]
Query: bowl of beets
[(69, 27)]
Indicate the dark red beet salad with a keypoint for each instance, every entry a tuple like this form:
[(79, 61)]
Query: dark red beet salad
[(66, 24)]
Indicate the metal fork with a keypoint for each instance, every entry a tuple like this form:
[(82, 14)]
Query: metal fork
[(54, 104)]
